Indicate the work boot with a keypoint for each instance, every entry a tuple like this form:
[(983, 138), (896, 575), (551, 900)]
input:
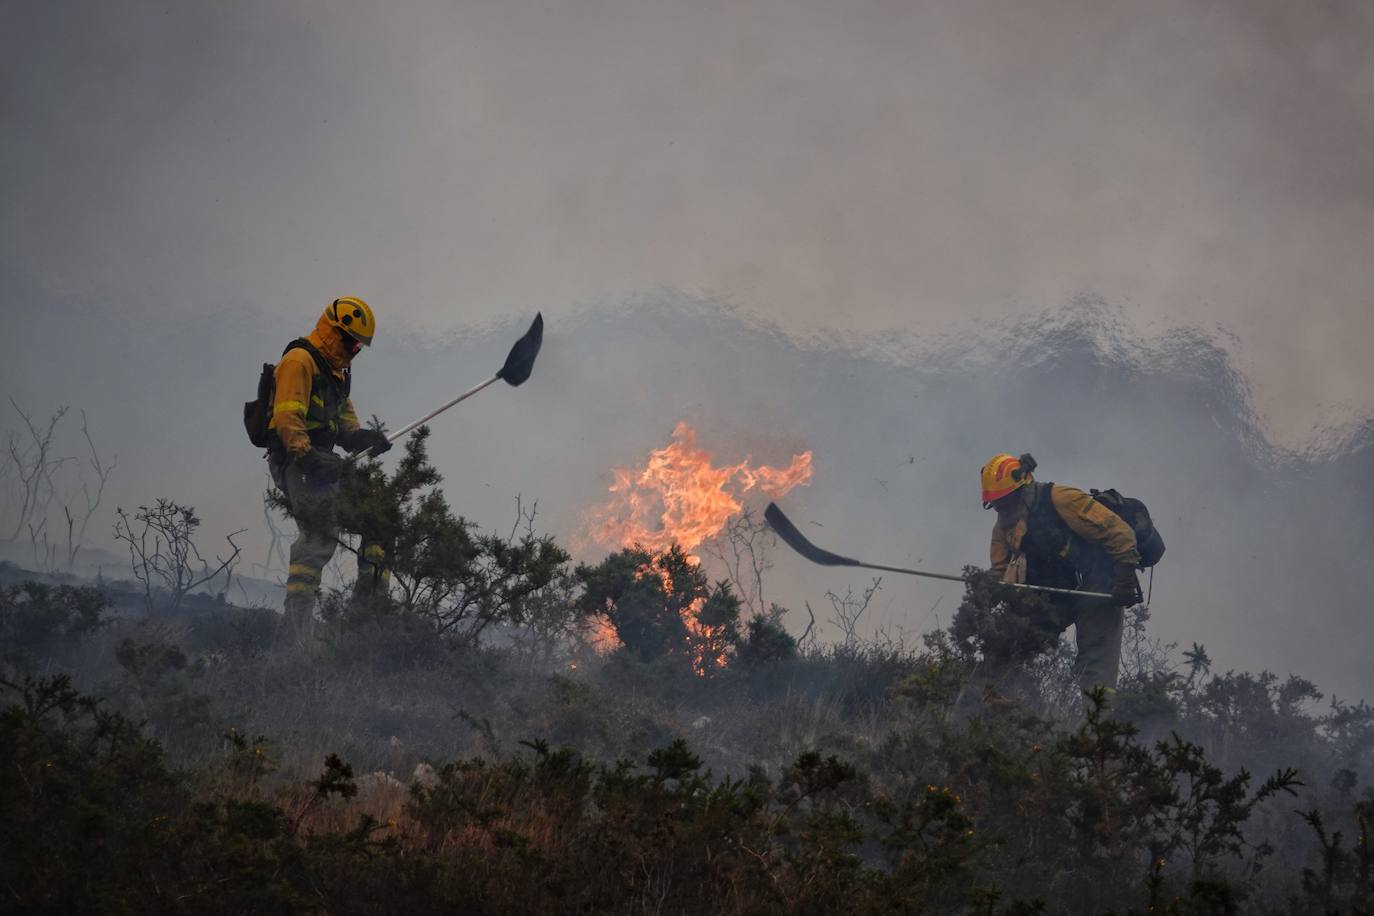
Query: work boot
[(296, 629)]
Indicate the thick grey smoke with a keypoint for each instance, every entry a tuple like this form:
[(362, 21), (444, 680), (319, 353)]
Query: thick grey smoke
[(1264, 544), (186, 184), (861, 166)]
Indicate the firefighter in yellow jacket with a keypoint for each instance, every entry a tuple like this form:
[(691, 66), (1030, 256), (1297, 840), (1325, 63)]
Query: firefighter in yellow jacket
[(1051, 534), (311, 414)]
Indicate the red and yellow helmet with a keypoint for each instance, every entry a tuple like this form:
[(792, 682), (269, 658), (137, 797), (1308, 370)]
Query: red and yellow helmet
[(354, 317), (1004, 474)]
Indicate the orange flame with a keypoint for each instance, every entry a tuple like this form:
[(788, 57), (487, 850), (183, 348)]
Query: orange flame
[(704, 636), (601, 634), (680, 498)]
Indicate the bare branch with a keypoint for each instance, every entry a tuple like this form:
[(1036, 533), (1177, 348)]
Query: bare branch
[(848, 609), (102, 474), (165, 565), (34, 465), (275, 549), (742, 549)]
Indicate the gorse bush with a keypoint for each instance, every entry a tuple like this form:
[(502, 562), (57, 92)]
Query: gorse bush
[(437, 579), (554, 833), (663, 606), (455, 744), (86, 800), (1084, 824), (766, 640), (458, 582), (38, 620)]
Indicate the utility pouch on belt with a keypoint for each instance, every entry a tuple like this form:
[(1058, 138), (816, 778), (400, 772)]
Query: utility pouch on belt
[(1015, 573)]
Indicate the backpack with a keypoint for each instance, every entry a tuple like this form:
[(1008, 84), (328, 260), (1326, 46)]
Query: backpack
[(257, 413), (1134, 513)]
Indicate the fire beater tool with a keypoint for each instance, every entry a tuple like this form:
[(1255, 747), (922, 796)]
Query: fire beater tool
[(798, 542), (519, 363)]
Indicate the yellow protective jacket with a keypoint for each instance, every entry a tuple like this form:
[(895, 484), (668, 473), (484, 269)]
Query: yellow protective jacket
[(302, 412), (1104, 533)]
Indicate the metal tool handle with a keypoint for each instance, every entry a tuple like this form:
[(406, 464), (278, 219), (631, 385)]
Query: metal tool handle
[(392, 437)]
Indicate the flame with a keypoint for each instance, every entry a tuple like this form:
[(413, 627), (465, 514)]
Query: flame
[(601, 634), (679, 497), (704, 637)]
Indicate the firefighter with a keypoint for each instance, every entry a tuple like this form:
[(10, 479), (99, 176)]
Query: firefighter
[(1059, 536), (311, 414)]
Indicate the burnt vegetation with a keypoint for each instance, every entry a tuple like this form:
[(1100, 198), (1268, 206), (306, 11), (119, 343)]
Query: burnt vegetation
[(468, 740)]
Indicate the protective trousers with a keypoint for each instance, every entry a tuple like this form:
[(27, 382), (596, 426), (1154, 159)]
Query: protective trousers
[(311, 506), (1099, 624)]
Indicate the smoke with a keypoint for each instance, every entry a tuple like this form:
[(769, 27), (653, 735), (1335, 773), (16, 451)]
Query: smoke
[(1264, 543), (185, 179), (867, 166)]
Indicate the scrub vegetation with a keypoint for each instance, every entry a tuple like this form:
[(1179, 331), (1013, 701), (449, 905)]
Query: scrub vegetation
[(506, 732)]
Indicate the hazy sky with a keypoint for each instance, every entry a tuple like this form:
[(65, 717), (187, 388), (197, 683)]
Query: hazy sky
[(857, 165)]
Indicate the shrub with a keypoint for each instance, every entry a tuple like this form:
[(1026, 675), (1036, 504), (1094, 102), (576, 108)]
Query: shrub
[(663, 606), (37, 619), (766, 640), (457, 583), (84, 801)]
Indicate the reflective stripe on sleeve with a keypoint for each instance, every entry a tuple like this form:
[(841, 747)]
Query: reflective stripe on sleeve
[(289, 407)]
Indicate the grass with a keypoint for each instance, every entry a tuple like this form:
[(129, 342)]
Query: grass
[(839, 779)]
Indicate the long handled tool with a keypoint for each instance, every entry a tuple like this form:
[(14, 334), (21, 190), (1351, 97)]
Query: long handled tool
[(519, 363), (798, 542)]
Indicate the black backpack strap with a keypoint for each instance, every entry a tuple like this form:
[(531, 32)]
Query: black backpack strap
[(300, 343), (1049, 542), (1043, 513)]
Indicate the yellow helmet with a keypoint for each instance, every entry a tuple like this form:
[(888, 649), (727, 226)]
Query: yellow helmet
[(1005, 474), (354, 317)]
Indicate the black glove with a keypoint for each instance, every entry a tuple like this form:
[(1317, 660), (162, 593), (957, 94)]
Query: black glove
[(1125, 588), (321, 465), (372, 441)]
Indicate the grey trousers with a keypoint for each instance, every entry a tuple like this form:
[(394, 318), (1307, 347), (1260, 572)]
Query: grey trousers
[(1099, 627), (311, 506)]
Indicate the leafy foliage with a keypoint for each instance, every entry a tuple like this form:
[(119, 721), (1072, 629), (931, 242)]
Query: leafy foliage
[(84, 801), (664, 606), (438, 576), (766, 640), (550, 831), (38, 619), (863, 777)]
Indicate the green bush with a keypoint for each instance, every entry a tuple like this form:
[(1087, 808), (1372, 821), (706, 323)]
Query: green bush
[(859, 778), (663, 606), (38, 620)]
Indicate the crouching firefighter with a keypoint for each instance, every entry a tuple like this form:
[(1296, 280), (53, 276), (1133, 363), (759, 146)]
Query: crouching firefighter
[(1053, 535), (311, 414)]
